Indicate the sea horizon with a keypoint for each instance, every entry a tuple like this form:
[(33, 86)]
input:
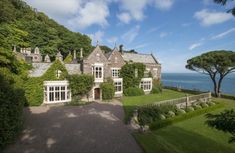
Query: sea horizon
[(197, 81)]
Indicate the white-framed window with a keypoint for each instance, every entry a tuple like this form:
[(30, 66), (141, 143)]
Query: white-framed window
[(118, 85), (56, 91), (146, 84), (115, 72)]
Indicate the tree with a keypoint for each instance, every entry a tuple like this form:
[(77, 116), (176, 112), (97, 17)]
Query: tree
[(225, 121), (216, 64), (224, 2)]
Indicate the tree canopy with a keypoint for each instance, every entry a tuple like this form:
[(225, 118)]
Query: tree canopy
[(24, 26), (216, 64), (224, 2), (225, 121)]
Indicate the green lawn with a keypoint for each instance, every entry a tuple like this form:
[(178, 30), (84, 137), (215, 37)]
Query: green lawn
[(189, 136), (130, 103)]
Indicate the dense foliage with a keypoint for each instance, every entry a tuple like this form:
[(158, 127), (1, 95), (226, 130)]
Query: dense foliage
[(80, 85), (132, 74), (224, 2), (24, 26), (133, 91), (12, 99), (216, 64), (34, 86), (107, 90), (157, 87), (68, 58), (225, 121)]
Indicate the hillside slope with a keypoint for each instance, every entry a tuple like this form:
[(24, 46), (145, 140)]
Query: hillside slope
[(23, 26)]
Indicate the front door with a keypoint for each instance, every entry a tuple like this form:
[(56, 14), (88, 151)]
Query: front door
[(97, 93)]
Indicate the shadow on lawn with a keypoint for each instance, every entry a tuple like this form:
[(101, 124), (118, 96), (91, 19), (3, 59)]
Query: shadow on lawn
[(177, 140), (88, 128)]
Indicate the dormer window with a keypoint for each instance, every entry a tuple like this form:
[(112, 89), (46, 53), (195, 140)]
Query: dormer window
[(58, 73)]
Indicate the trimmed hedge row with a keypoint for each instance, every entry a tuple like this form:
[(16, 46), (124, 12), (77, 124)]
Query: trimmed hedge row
[(133, 91), (169, 121)]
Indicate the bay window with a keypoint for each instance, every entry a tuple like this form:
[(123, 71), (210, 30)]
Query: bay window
[(146, 84)]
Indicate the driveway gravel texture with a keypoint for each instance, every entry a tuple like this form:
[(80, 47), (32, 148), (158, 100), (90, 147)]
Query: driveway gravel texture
[(96, 127)]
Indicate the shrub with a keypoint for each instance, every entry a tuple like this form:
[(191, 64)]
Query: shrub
[(156, 89), (196, 107), (203, 105), (211, 103), (170, 114), (189, 109), (12, 100), (169, 121), (107, 90), (180, 111), (133, 91), (165, 108), (162, 117), (148, 114)]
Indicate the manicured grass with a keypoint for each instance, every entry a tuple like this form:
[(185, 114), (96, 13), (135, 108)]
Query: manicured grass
[(189, 136), (130, 103)]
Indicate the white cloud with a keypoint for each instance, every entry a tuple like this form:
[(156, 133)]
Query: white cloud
[(223, 34), (208, 18), (193, 46), (76, 14), (130, 35), (132, 10), (124, 17), (186, 24), (96, 37), (164, 4), (91, 13), (163, 34)]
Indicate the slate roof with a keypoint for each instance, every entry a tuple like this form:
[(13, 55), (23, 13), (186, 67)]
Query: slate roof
[(139, 58), (39, 69), (73, 68)]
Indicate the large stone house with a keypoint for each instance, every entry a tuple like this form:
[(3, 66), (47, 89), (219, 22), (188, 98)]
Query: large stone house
[(98, 64)]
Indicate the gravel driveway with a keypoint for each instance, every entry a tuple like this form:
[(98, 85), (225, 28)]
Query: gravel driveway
[(96, 127)]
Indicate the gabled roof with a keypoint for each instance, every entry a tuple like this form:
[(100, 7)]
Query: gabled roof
[(139, 58), (39, 69), (108, 55), (73, 68)]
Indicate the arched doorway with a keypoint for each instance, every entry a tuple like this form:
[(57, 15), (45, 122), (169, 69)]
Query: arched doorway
[(97, 93)]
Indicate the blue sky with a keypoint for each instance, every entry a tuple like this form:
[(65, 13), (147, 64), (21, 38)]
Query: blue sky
[(172, 30)]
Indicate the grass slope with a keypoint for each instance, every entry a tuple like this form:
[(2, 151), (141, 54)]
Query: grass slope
[(130, 103), (189, 136)]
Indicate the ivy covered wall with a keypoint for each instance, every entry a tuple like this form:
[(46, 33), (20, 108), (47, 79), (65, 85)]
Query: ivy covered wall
[(34, 86)]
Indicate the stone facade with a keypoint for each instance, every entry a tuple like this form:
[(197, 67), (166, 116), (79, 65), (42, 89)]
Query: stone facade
[(100, 65)]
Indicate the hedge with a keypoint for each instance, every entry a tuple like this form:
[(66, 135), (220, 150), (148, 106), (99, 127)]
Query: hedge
[(12, 100), (169, 121), (107, 90), (133, 91)]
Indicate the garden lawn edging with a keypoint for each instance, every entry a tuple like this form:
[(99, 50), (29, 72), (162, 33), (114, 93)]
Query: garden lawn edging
[(163, 123)]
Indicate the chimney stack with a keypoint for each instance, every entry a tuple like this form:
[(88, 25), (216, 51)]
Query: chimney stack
[(121, 48), (74, 55), (81, 53)]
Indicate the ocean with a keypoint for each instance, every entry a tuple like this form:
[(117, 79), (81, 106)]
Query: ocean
[(197, 81)]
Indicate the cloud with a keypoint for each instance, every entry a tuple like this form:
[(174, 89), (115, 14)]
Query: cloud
[(124, 17), (193, 46), (130, 35), (76, 14), (223, 34), (164, 4), (96, 37), (133, 10), (208, 18), (91, 13), (186, 24), (163, 34)]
